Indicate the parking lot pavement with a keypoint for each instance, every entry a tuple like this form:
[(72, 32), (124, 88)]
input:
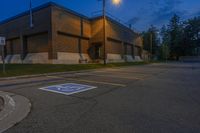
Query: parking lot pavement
[(139, 99)]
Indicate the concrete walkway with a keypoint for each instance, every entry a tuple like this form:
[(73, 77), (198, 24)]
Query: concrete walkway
[(13, 109)]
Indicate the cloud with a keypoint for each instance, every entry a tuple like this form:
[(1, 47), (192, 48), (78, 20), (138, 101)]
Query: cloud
[(157, 12), (134, 20), (164, 10), (166, 16), (197, 13)]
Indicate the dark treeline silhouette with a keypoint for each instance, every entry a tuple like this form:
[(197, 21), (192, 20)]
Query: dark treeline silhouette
[(178, 38)]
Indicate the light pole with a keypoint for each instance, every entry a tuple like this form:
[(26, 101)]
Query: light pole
[(156, 35), (104, 31), (115, 2), (151, 46), (166, 51), (31, 15)]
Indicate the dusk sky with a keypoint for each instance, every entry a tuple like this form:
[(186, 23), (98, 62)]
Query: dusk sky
[(140, 13)]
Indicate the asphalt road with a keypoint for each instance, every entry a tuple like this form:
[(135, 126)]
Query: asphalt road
[(156, 98)]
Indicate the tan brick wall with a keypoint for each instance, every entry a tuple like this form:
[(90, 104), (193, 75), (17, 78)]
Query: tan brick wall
[(129, 50), (13, 46), (66, 44), (37, 43), (77, 30), (74, 28), (138, 41), (114, 47), (97, 31), (84, 46), (137, 51), (87, 28), (21, 25), (114, 31), (16, 46), (67, 22), (119, 32), (9, 48)]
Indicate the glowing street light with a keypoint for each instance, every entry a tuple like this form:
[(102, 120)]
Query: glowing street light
[(116, 2)]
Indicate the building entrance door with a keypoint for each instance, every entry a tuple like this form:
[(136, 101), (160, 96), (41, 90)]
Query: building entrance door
[(95, 51)]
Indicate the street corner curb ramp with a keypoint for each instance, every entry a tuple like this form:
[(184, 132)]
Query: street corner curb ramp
[(15, 109)]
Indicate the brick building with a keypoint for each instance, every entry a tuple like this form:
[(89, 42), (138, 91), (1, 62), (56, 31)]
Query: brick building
[(62, 36)]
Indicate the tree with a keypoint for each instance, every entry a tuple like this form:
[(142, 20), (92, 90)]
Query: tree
[(181, 38), (164, 51), (192, 35), (175, 31), (164, 32), (146, 41), (150, 40)]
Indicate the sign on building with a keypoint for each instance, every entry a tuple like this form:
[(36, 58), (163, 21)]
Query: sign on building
[(2, 41), (68, 89)]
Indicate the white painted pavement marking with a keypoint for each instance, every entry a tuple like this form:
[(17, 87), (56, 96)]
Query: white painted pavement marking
[(98, 82), (90, 81), (124, 77)]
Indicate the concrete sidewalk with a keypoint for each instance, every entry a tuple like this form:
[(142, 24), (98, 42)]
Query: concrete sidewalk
[(13, 109)]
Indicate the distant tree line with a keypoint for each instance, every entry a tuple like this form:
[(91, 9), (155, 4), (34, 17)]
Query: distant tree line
[(178, 38)]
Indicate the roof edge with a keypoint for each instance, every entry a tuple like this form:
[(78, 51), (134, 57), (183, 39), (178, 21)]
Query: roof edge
[(114, 21), (45, 5), (48, 4)]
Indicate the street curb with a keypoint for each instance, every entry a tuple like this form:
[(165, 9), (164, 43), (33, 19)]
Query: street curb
[(56, 73), (15, 109), (1, 103), (46, 74)]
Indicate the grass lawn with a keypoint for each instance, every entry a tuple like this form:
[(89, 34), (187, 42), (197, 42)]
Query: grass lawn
[(31, 69)]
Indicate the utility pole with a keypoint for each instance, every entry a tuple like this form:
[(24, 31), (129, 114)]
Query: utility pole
[(151, 45), (31, 15), (115, 2), (104, 30), (166, 50)]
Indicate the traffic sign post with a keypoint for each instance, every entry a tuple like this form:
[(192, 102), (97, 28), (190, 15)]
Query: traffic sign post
[(2, 44)]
